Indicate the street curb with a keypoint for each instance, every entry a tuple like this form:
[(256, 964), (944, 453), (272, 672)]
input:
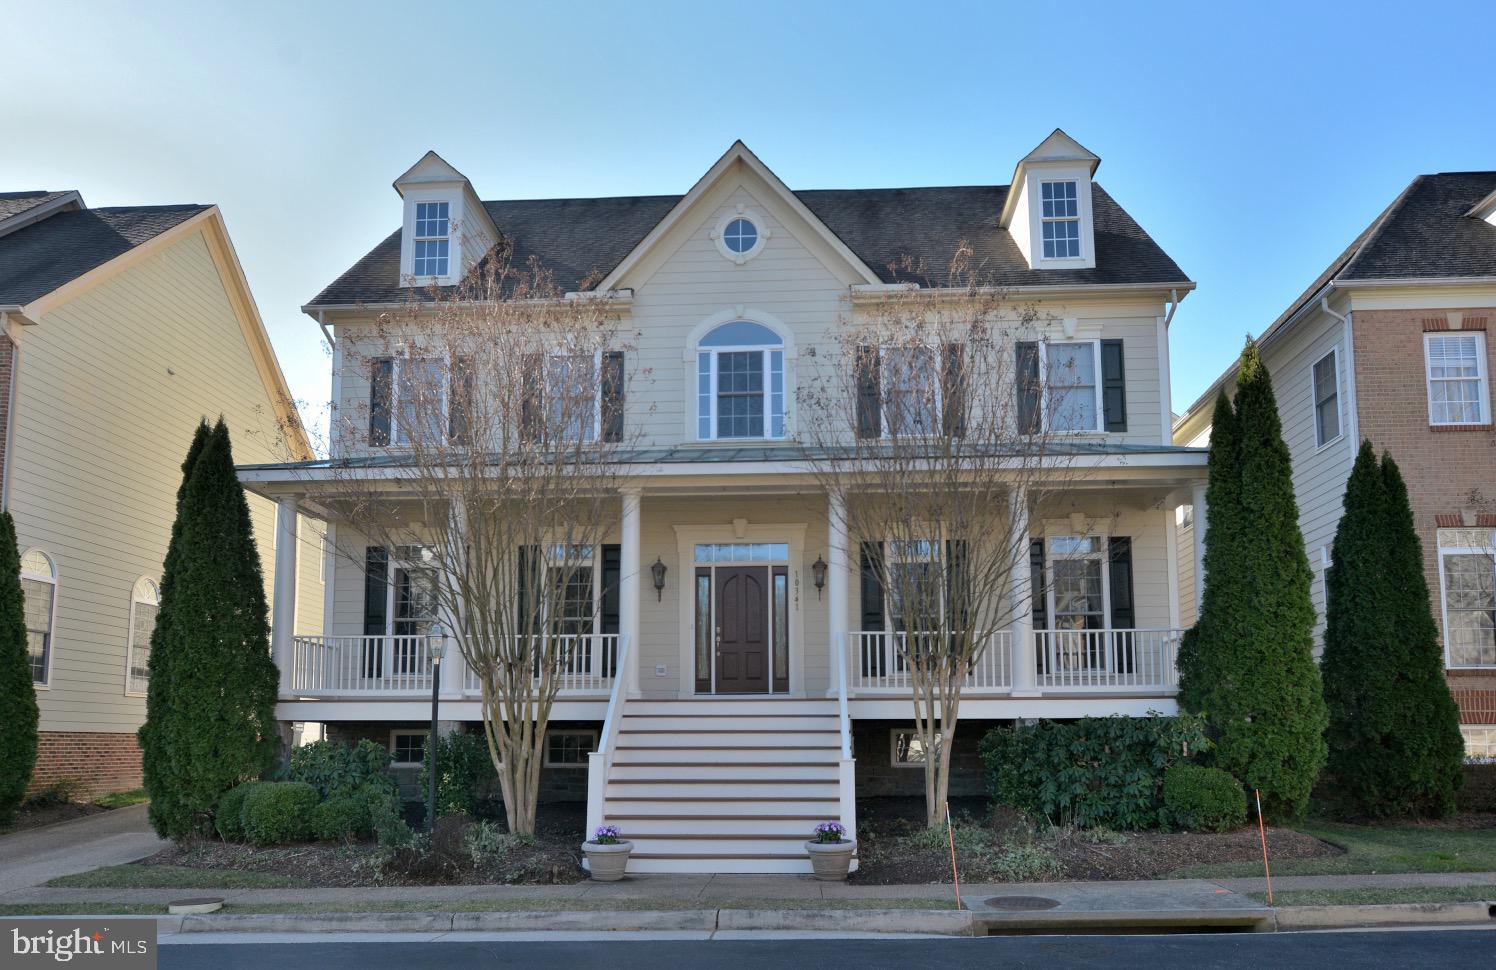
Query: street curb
[(944, 922), (584, 921), (1382, 914), (318, 923)]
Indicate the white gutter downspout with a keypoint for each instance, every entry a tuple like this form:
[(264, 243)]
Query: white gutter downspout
[(1166, 383), (326, 334), (10, 408), (1353, 425)]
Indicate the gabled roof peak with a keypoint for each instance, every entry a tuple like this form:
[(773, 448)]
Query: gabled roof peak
[(431, 169), (1060, 147)]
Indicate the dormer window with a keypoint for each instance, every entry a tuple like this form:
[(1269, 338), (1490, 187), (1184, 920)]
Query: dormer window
[(1061, 217), (432, 239)]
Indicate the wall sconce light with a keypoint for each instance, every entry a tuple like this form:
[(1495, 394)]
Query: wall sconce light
[(659, 577), (818, 573)]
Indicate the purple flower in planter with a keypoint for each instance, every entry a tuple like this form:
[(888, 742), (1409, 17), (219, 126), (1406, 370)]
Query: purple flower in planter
[(607, 835), (830, 832)]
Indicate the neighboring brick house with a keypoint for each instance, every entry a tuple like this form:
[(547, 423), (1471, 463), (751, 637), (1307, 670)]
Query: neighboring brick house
[(1391, 344), (120, 328)]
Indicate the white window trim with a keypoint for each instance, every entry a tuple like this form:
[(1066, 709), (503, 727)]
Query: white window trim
[(1334, 353), (1078, 219), (768, 362), (415, 238), (398, 437), (1441, 551), (1044, 407), (1466, 730), (1482, 377), (595, 560), (893, 749), (1102, 556), (56, 580), (591, 735), (732, 215), (937, 558), (130, 631), (597, 394), (406, 733), (883, 423)]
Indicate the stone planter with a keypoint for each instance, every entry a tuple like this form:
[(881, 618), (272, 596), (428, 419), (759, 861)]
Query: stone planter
[(607, 862), (830, 861)]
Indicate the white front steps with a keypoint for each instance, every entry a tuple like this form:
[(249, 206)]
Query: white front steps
[(724, 784)]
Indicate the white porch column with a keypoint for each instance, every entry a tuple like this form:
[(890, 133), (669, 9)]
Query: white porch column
[(283, 617), (1025, 677), (838, 581), (628, 588), (1199, 537), (453, 666)]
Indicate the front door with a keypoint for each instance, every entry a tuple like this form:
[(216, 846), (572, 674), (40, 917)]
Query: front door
[(742, 629)]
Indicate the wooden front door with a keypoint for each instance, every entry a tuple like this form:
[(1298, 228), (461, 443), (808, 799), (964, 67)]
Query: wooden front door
[(742, 629)]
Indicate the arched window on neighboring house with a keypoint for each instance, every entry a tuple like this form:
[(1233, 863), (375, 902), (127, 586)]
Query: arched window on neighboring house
[(145, 602), (740, 382), (39, 589)]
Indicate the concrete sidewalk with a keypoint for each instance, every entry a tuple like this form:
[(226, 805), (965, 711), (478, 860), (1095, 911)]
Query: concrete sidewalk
[(33, 856)]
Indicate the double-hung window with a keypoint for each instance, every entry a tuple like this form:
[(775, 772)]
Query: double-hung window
[(1072, 398), (1326, 389), (420, 401), (1467, 573), (1458, 385), (572, 397), (412, 608), (1061, 219), (432, 239), (740, 388), (911, 391)]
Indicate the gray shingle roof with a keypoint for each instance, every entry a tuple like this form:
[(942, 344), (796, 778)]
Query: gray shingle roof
[(578, 238), (38, 259), (15, 203)]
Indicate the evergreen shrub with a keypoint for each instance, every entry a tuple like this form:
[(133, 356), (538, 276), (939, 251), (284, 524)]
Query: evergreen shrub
[(1204, 799)]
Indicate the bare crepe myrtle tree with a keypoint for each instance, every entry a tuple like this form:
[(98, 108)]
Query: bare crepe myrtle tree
[(929, 418), (495, 446)]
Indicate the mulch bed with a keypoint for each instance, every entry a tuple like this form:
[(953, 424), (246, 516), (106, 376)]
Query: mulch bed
[(890, 851), (35, 816), (554, 857)]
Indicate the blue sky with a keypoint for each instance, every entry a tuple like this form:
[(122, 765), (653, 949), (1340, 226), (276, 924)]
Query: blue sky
[(1252, 141)]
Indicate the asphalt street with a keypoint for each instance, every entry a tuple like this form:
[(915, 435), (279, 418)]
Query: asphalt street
[(1446, 949)]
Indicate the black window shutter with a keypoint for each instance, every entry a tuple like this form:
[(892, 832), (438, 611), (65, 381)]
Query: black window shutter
[(1124, 617), (527, 581), (873, 659), (376, 607), (381, 383), (957, 593), (612, 577), (953, 390), (1026, 375), (1036, 585), (459, 405), (869, 394), (532, 399), (612, 381), (1113, 386)]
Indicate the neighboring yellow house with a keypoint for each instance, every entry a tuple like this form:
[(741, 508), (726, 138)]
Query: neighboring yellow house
[(121, 328)]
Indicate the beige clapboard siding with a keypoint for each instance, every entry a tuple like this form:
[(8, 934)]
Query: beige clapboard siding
[(110, 387), (1185, 546)]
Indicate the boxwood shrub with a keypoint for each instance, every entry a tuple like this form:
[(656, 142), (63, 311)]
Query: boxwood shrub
[(465, 775), (336, 769), (1204, 799), (279, 811), (1097, 771), (228, 818)]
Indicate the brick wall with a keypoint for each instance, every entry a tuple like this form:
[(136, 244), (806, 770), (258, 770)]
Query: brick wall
[(99, 763), (1447, 470), (7, 377), (877, 775)]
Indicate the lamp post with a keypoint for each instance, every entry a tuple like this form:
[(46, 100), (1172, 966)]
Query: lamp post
[(438, 644)]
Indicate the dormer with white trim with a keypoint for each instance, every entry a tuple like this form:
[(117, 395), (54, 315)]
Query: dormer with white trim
[(1048, 207), (446, 229)]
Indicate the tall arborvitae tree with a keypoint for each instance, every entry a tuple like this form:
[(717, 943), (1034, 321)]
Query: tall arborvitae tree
[(18, 713), (159, 771), (213, 721), (1251, 668), (1395, 745)]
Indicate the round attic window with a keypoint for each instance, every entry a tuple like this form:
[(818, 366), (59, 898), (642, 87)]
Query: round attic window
[(740, 236)]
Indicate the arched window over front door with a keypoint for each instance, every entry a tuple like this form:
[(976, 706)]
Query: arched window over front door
[(740, 383)]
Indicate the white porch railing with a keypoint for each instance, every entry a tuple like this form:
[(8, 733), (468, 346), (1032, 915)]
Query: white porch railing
[(361, 665), (589, 664), (878, 662), (1103, 659), (600, 762)]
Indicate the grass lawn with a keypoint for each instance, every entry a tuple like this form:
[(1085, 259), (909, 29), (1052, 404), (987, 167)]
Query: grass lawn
[(1389, 894), (133, 876), (123, 799), (510, 905), (1372, 849)]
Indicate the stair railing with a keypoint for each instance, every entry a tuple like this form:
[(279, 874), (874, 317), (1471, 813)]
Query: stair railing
[(600, 762)]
